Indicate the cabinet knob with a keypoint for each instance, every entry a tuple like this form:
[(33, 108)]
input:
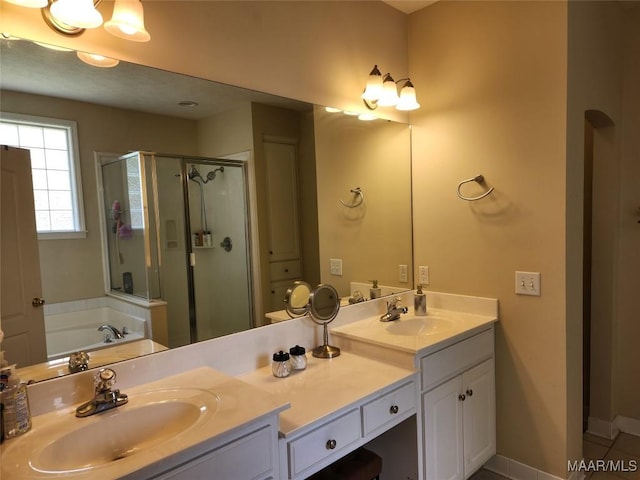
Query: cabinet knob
[(331, 444), (286, 270), (462, 397), (394, 409), (469, 392)]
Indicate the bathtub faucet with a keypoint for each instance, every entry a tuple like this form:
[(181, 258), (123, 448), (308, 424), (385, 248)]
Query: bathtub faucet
[(110, 328)]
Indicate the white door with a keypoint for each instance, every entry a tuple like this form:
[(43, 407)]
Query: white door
[(479, 413), (22, 322), (442, 417), (282, 185)]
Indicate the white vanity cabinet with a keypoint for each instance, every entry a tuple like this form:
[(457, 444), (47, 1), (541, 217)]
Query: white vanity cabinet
[(458, 408), (311, 449), (251, 453)]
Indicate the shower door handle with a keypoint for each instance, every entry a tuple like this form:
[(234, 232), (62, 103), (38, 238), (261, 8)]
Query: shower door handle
[(192, 259)]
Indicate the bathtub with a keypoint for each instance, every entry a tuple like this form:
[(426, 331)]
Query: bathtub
[(73, 331)]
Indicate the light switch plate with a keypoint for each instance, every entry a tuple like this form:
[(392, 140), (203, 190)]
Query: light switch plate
[(423, 275), (402, 273), (336, 266), (528, 283)]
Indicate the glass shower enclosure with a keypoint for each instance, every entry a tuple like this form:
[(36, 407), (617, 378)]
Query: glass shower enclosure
[(178, 230)]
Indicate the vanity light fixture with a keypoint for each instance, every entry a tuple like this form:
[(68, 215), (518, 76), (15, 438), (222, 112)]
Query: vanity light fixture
[(97, 60), (128, 21), (382, 91), (72, 17), (77, 13)]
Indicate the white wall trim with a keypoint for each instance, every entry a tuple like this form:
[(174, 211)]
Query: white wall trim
[(602, 428), (628, 425), (514, 470)]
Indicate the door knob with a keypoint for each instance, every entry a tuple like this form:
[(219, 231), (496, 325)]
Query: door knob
[(37, 301)]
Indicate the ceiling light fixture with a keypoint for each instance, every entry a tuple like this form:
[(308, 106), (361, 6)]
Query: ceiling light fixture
[(382, 91), (72, 17)]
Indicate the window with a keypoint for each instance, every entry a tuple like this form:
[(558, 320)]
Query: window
[(55, 171)]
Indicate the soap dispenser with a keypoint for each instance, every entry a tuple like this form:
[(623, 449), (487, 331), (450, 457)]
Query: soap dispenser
[(375, 291), (420, 302)]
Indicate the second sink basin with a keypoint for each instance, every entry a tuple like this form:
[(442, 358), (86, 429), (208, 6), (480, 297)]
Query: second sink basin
[(149, 419), (418, 326)]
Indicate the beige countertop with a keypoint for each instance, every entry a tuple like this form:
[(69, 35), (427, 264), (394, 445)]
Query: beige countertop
[(327, 387), (229, 404), (414, 334)]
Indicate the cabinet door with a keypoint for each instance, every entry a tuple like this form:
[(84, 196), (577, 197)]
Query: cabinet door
[(442, 417), (479, 412), (282, 187)]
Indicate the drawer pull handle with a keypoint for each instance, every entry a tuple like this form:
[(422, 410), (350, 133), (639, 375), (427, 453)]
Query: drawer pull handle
[(394, 409), (469, 392), (331, 444), (462, 397)]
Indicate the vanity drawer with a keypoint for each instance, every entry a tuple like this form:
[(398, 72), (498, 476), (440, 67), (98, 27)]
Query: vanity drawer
[(388, 408), (284, 270), (323, 442), (452, 360)]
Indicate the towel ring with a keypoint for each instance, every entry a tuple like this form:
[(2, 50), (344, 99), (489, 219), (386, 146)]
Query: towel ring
[(358, 193), (478, 179)]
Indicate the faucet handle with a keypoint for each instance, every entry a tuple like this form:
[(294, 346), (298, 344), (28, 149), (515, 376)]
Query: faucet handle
[(104, 379)]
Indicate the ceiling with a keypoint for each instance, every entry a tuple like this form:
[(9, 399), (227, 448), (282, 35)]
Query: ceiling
[(27, 67)]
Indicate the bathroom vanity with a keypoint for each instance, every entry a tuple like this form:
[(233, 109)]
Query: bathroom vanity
[(226, 412)]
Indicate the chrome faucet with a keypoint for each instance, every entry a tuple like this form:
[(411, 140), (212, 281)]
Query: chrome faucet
[(105, 398), (116, 333), (393, 310)]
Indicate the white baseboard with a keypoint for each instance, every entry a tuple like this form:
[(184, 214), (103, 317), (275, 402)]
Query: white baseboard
[(602, 428), (610, 429), (628, 425), (514, 470)]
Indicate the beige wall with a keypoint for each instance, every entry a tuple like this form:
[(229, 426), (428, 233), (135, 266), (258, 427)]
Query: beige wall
[(627, 361), (69, 266), (375, 237), (492, 82)]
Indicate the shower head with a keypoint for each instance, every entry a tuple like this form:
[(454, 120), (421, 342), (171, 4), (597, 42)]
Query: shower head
[(194, 174)]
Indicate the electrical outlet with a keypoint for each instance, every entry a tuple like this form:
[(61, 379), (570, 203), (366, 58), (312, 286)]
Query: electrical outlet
[(336, 266), (528, 283), (402, 270), (423, 275)]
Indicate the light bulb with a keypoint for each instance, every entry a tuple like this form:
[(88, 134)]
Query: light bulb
[(128, 21), (76, 13)]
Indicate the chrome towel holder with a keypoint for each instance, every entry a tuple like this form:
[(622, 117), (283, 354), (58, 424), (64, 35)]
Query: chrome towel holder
[(357, 192), (478, 179)]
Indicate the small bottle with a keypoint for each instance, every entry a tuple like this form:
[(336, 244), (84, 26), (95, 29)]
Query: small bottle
[(16, 413), (298, 358), (420, 302), (281, 366), (375, 291)]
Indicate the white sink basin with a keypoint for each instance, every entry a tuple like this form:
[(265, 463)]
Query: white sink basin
[(149, 419), (418, 326)]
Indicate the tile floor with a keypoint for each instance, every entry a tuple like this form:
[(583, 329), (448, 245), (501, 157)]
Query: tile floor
[(625, 448)]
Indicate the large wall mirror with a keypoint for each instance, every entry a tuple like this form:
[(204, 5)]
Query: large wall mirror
[(321, 189)]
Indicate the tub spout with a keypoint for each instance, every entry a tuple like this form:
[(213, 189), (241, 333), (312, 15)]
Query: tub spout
[(116, 333)]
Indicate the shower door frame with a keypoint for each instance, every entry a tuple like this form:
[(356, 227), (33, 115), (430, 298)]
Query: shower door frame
[(249, 237)]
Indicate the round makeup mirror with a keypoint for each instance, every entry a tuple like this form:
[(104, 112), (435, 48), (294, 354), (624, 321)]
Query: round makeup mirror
[(324, 304), (296, 299)]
